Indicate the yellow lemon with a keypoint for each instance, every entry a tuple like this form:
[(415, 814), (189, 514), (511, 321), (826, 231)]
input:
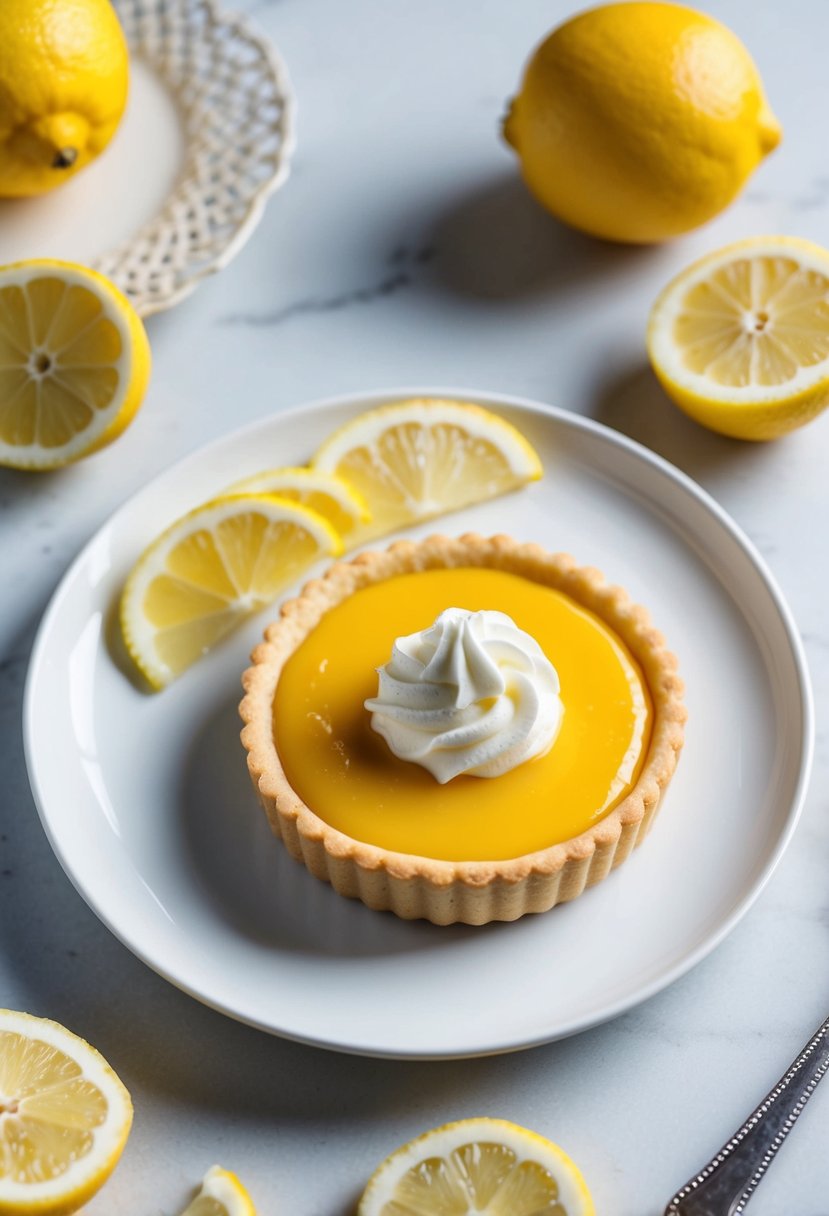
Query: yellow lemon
[(413, 460), (74, 363), (210, 571), (485, 1166), (64, 1118), (740, 339), (221, 1194), (636, 122), (64, 75)]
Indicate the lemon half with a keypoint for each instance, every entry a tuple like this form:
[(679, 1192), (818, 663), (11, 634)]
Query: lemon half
[(485, 1166), (64, 1118), (740, 340), (74, 363)]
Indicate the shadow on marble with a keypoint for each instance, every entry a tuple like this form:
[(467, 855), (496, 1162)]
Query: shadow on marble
[(495, 242), (249, 876), (633, 401)]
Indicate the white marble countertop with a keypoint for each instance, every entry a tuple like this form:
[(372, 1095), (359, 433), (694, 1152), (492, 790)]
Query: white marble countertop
[(404, 250)]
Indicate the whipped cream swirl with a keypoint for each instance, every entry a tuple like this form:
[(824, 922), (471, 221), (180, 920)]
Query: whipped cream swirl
[(472, 694)]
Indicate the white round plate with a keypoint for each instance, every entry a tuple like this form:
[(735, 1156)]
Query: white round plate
[(206, 138), (147, 802)]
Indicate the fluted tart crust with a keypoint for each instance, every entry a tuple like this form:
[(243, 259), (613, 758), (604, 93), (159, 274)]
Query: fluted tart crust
[(446, 892)]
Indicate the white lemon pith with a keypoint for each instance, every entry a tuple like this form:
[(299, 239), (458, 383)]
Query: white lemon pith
[(482, 1165), (740, 340), (329, 496), (74, 363), (64, 1118), (221, 1194), (416, 459), (210, 571)]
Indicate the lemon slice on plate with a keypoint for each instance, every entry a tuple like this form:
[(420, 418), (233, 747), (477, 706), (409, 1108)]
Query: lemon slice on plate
[(64, 1118), (211, 570), (416, 459), (221, 1194), (74, 363), (740, 340), (330, 496), (484, 1166)]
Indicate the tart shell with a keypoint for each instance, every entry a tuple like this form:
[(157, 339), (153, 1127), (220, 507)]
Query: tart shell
[(447, 892)]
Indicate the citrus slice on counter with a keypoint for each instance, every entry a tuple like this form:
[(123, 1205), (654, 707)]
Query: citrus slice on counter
[(74, 363), (477, 1166), (330, 496), (416, 459), (221, 1194), (64, 1118), (740, 340), (210, 571)]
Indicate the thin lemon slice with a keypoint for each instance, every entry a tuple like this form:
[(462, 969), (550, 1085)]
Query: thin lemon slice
[(221, 1194), (479, 1166), (64, 1118), (212, 569), (74, 363), (740, 340), (416, 459), (330, 496)]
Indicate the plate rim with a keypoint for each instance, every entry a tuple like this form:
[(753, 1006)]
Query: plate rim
[(578, 422)]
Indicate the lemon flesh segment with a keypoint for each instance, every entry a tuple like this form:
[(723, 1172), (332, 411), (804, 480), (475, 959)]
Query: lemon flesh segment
[(74, 363), (417, 459), (324, 493), (211, 570), (64, 1117), (477, 1166), (740, 340), (221, 1194)]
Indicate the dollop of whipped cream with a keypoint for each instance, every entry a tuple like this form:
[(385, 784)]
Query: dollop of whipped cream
[(472, 694)]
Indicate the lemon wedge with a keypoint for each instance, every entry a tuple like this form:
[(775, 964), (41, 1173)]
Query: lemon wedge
[(211, 570), (484, 1166), (329, 496), (64, 1118), (221, 1194), (415, 459), (74, 363), (740, 340)]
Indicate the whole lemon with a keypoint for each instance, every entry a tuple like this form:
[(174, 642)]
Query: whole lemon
[(64, 75), (639, 121)]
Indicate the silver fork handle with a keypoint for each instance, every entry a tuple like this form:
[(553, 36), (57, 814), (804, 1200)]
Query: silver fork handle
[(725, 1185)]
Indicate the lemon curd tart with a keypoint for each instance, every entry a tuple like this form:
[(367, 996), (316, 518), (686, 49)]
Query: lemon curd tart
[(563, 759)]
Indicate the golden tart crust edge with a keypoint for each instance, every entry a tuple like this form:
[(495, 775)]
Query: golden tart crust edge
[(447, 892)]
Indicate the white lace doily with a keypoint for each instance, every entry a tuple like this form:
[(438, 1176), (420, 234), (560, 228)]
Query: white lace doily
[(236, 110)]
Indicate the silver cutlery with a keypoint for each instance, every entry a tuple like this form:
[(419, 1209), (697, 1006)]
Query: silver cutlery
[(724, 1186)]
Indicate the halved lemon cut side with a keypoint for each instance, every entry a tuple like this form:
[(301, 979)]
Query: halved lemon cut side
[(64, 1117), (479, 1166), (412, 460), (740, 340), (210, 571), (221, 1194), (74, 363), (324, 493)]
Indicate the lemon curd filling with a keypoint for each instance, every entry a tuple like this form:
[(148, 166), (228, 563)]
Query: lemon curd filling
[(347, 775)]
